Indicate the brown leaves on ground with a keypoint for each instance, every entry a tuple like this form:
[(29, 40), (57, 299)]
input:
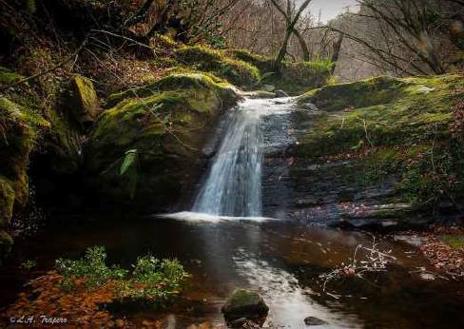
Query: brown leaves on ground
[(82, 308), (443, 257)]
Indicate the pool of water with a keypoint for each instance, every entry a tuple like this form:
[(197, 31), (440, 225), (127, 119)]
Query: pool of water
[(279, 258)]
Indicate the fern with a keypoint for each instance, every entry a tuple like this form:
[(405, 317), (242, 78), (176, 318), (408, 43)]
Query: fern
[(129, 169), (130, 159)]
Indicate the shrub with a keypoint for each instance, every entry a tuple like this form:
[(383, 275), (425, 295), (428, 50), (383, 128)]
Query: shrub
[(150, 280)]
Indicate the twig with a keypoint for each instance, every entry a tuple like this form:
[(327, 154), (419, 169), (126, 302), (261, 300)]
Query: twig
[(74, 56)]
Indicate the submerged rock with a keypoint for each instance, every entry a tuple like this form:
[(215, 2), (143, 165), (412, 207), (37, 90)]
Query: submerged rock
[(281, 93), (313, 321), (243, 306)]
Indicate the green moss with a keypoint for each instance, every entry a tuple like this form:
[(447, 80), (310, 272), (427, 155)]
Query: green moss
[(167, 123), (181, 80), (85, 101), (455, 241), (8, 77), (364, 93), (235, 71), (263, 63), (399, 128), (293, 78), (19, 128), (7, 197)]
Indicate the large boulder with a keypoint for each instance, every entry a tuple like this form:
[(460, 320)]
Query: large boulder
[(243, 306), (379, 152), (236, 71), (19, 128), (147, 148)]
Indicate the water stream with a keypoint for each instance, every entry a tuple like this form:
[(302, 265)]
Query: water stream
[(226, 242)]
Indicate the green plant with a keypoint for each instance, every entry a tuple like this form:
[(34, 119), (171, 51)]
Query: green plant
[(129, 169), (151, 279), (28, 264), (92, 267)]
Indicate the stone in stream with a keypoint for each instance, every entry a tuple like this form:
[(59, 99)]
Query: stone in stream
[(244, 306), (313, 321), (281, 93)]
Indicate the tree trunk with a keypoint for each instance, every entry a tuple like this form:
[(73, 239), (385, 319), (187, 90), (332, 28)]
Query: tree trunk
[(283, 50), (336, 51), (303, 45)]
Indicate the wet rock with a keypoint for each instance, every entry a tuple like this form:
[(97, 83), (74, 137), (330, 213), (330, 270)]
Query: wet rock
[(313, 321), (268, 88), (260, 94), (244, 306), (167, 164), (281, 93)]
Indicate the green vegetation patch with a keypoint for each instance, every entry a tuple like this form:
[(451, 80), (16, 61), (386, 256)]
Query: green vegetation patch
[(163, 127), (19, 129), (293, 78), (397, 127), (235, 71), (455, 241), (150, 279)]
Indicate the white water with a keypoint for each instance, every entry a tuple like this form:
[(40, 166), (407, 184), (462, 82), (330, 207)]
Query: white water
[(233, 184)]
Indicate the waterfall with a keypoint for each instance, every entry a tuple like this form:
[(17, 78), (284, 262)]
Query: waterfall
[(233, 184)]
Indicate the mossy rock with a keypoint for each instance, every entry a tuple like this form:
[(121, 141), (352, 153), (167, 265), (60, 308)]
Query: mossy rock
[(375, 91), (7, 198), (179, 80), (245, 304), (395, 129), (84, 101), (19, 129), (237, 72), (263, 63), (293, 78), (163, 130)]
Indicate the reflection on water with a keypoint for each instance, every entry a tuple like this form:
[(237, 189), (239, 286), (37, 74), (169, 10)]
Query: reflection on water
[(280, 259)]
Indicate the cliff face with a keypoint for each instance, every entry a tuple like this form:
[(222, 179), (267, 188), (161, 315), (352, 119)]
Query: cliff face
[(382, 151)]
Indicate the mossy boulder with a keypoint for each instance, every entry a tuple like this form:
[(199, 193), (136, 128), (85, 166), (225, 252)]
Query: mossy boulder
[(244, 305), (19, 129), (294, 78), (388, 132), (84, 101), (179, 80), (237, 72), (147, 149)]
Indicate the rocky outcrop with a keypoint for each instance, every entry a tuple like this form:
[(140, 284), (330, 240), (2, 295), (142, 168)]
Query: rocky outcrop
[(237, 72), (244, 306), (19, 128), (147, 149), (378, 152)]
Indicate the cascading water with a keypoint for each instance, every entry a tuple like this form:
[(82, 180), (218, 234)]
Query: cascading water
[(233, 184)]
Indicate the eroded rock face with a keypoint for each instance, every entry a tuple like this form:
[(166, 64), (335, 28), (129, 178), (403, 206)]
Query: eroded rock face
[(18, 130), (365, 154), (159, 137), (244, 306)]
